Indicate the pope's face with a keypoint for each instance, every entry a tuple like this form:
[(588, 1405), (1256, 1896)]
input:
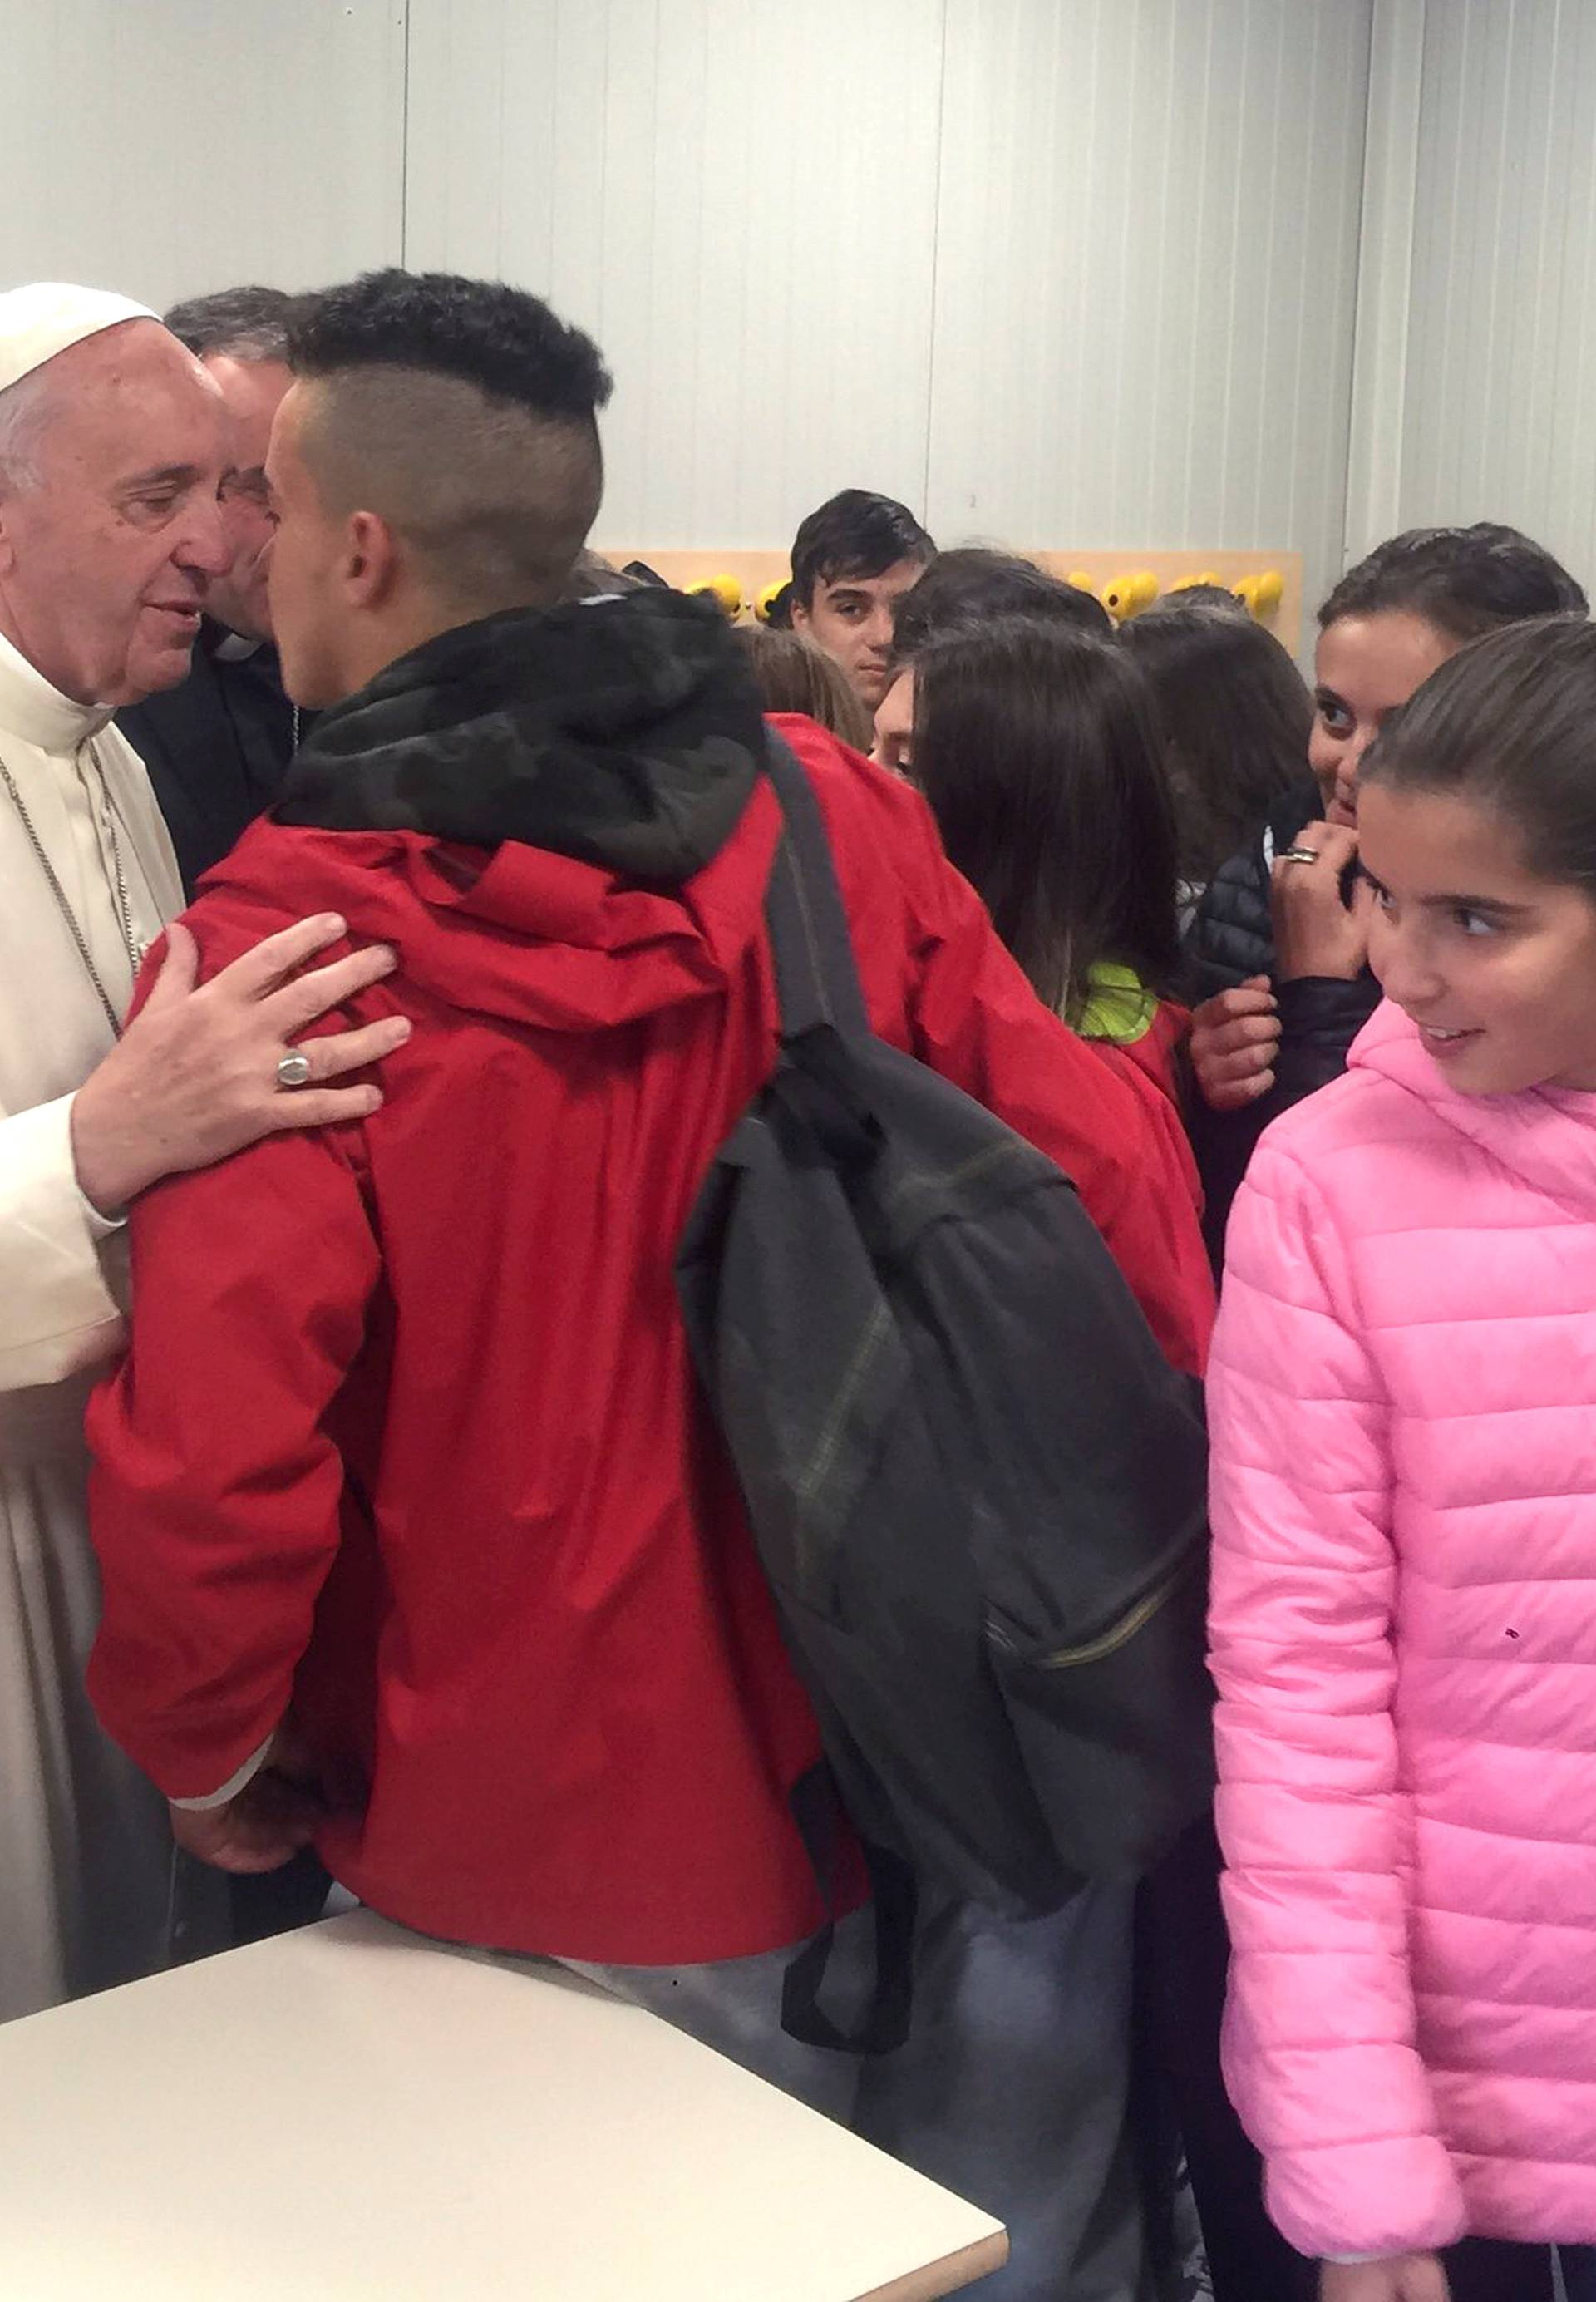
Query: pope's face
[(115, 530)]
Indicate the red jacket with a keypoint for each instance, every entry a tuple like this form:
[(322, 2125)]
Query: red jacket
[(408, 1434), (1156, 1058)]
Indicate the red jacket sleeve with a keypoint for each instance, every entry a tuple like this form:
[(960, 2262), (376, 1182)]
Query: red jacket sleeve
[(215, 1493), (977, 1021)]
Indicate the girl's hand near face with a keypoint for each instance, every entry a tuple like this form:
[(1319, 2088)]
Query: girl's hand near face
[(1316, 930)]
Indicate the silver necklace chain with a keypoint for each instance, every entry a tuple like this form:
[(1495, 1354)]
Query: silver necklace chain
[(124, 909)]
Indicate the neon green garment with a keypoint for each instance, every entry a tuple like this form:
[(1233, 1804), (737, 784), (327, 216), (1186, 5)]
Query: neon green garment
[(1118, 1007)]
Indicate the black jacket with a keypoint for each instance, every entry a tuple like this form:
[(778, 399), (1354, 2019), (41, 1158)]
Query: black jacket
[(217, 748), (626, 732), (1230, 939), (1232, 936)]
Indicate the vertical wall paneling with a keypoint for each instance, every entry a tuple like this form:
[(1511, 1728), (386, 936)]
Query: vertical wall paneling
[(1098, 273), (1501, 374), (1384, 275), (167, 146), (1147, 235), (739, 197)]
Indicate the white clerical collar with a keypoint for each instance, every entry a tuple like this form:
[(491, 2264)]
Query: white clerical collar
[(236, 649), (31, 708)]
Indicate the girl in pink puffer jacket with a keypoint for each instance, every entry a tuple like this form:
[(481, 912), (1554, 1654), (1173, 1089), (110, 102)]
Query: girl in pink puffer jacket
[(1404, 1620)]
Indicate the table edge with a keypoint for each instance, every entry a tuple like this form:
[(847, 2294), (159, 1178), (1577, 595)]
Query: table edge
[(947, 2276)]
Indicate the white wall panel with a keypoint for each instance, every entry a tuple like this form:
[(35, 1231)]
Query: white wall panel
[(1071, 272), (1385, 274), (1146, 264), (1074, 274), (736, 196), (167, 146), (1499, 413)]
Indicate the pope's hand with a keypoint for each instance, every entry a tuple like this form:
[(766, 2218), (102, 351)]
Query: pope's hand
[(280, 1809), (194, 1078), (261, 1829)]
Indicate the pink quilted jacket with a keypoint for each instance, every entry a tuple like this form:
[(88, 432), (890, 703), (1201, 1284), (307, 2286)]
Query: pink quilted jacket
[(1404, 1628)]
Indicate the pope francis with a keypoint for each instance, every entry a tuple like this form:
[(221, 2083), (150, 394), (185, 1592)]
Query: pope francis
[(114, 449)]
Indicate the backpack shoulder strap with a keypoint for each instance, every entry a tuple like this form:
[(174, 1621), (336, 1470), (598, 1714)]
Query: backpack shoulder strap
[(816, 979)]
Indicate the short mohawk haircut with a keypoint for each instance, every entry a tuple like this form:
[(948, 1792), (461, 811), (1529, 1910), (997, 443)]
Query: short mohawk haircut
[(506, 342)]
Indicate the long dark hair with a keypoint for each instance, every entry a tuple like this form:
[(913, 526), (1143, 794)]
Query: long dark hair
[(1236, 716), (1507, 723), (1037, 747)]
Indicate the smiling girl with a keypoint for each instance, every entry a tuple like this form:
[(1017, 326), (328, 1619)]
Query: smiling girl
[(1277, 940), (1403, 1624)]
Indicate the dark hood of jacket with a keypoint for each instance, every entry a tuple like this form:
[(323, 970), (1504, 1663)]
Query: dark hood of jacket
[(556, 820), (624, 733)]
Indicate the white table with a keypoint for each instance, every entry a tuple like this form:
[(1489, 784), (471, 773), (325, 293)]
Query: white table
[(350, 2114)]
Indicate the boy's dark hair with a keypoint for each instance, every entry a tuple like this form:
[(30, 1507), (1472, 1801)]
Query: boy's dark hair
[(463, 413), (1507, 723), (508, 343), (972, 584), (1236, 716), (243, 324), (1462, 580), (1035, 746), (856, 533)]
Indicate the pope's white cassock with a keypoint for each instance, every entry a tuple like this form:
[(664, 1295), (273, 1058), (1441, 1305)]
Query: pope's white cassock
[(85, 1852)]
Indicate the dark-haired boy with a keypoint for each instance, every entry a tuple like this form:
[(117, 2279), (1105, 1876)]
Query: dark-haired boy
[(853, 560), (416, 1536)]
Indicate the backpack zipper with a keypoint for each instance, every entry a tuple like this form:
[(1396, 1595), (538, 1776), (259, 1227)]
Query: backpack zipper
[(1121, 1633)]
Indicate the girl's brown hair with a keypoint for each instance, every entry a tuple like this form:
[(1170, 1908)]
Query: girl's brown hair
[(794, 676), (1037, 747)]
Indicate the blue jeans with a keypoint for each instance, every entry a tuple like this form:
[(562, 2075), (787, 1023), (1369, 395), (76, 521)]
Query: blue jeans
[(1011, 2088)]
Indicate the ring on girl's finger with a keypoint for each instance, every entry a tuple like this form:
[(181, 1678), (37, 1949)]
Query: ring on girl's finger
[(294, 1069), (1299, 856)]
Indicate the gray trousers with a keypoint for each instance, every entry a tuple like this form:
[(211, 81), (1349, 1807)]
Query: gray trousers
[(1011, 2090)]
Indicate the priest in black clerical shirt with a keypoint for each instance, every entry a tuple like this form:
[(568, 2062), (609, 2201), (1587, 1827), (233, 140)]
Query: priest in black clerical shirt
[(217, 747)]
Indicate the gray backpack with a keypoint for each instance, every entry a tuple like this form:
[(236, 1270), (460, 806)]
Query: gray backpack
[(975, 1485)]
